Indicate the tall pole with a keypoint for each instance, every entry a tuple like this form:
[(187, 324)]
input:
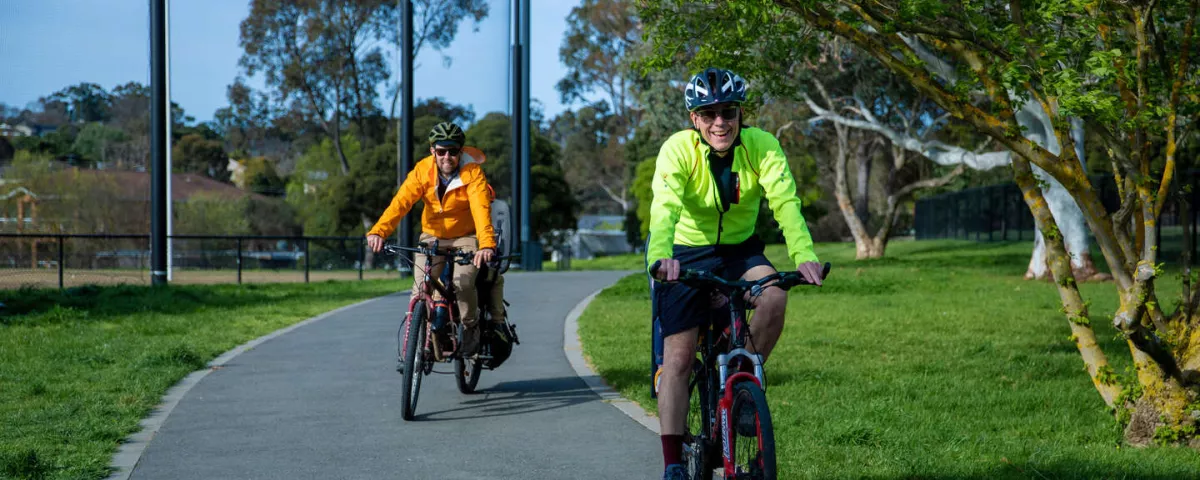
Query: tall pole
[(404, 165), (515, 117), (529, 245), (159, 128)]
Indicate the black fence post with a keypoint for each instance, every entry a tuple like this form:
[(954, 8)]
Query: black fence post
[(306, 260), (978, 214), (991, 213), (1004, 213), (1020, 221), (62, 264), (362, 256), (239, 259)]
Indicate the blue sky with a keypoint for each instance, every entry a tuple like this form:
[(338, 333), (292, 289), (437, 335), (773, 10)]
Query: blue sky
[(46, 45)]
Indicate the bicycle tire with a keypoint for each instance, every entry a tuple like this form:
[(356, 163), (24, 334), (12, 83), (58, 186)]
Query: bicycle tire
[(413, 361), (466, 371), (700, 455), (758, 461)]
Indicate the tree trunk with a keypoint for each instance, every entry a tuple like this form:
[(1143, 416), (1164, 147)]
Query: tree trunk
[(1165, 413), (841, 192), (862, 202), (871, 248), (1076, 310)]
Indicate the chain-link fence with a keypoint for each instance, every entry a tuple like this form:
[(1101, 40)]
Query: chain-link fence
[(46, 260), (999, 213)]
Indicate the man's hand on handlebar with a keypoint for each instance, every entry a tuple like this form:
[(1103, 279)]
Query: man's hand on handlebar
[(667, 270), (811, 271), (375, 243), (484, 256)]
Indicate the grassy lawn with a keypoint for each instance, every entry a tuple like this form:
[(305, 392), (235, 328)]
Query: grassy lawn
[(938, 362), (80, 368), (614, 262)]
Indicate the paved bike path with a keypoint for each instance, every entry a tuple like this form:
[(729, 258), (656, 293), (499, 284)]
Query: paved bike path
[(323, 401)]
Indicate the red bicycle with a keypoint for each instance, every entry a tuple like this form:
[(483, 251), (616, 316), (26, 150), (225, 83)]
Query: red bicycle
[(730, 386), (415, 339)]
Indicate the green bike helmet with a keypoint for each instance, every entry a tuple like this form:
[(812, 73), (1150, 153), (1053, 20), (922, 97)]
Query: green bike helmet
[(447, 134)]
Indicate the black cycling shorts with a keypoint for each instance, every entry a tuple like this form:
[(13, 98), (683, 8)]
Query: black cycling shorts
[(679, 307)]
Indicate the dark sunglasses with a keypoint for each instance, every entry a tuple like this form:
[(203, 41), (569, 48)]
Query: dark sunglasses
[(441, 152), (710, 114)]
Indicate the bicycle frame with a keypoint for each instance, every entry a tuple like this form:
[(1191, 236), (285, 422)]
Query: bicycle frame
[(739, 330), (429, 286)]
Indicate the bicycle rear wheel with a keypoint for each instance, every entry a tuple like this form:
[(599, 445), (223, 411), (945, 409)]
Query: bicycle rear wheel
[(467, 370), (754, 435), (414, 359)]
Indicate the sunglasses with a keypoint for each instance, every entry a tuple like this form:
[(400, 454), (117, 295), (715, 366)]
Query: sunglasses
[(441, 152), (727, 113)]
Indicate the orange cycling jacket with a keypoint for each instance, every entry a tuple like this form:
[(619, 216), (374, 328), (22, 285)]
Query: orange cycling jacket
[(465, 209)]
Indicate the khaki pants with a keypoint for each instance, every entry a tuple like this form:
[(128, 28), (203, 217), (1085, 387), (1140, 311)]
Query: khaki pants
[(497, 306), (464, 276)]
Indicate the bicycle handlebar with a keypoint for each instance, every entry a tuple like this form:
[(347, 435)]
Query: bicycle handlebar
[(460, 257), (705, 278)]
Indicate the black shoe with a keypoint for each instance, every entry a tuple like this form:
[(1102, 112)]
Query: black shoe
[(470, 342)]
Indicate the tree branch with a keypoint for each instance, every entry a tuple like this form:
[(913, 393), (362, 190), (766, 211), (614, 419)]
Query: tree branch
[(929, 183), (1180, 73)]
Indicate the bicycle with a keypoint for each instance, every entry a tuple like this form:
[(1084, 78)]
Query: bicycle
[(415, 342), (723, 393)]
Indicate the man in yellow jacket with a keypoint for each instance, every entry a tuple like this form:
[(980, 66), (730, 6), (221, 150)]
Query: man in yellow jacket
[(457, 214)]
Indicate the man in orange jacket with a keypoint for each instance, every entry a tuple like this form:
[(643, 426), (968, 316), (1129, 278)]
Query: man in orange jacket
[(457, 214)]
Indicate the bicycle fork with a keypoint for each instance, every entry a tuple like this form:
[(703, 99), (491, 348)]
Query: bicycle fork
[(725, 404)]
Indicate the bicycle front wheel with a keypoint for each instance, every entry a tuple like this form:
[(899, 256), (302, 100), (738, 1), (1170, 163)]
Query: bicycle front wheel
[(753, 434), (414, 358)]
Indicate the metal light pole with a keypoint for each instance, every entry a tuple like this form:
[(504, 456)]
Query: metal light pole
[(404, 143), (516, 111), (531, 249), (160, 141)]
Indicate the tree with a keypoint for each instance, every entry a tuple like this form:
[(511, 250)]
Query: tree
[(321, 197), (436, 24), (195, 154), (130, 108), (261, 177), (315, 56), (87, 102), (212, 215), (96, 141), (322, 59), (894, 110), (598, 50), (78, 201), (1124, 70), (594, 159), (601, 36)]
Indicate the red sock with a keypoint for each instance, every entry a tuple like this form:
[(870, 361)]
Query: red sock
[(672, 446)]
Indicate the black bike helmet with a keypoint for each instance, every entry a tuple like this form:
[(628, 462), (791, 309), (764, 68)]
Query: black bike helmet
[(713, 86), (447, 134)]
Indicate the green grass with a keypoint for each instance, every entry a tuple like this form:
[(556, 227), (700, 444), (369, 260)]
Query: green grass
[(613, 262), (938, 362), (79, 368)]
